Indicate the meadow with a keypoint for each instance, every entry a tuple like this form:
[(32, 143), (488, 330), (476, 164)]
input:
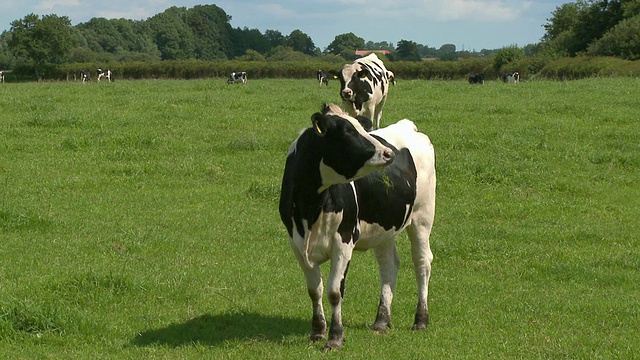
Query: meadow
[(138, 219)]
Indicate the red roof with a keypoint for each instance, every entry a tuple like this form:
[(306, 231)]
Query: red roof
[(367, 52)]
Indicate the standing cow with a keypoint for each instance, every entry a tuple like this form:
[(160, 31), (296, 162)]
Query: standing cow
[(476, 79), (1, 76), (104, 73), (364, 86), (511, 78), (84, 75), (237, 77), (344, 189), (322, 78)]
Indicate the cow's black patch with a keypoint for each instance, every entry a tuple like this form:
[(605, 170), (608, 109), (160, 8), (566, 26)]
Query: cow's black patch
[(342, 148), (385, 195)]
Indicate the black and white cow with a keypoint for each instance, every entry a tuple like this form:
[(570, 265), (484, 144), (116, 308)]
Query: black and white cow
[(104, 73), (322, 78), (364, 86), (85, 76), (1, 76), (512, 78), (237, 77), (476, 79), (345, 189)]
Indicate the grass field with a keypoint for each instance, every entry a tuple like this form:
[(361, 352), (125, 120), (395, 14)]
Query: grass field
[(138, 219)]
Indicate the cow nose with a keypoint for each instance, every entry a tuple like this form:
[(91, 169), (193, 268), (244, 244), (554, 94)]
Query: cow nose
[(346, 93), (388, 155)]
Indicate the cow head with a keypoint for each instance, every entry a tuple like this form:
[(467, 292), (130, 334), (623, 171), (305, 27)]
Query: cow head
[(353, 81), (348, 152)]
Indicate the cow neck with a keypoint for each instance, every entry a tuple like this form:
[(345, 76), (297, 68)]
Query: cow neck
[(308, 195)]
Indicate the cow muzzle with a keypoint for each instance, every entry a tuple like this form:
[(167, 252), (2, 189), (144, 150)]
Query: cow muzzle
[(347, 94)]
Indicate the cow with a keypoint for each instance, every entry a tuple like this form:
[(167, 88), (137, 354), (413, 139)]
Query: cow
[(364, 86), (1, 76), (346, 189), (237, 77), (104, 73), (85, 76), (511, 78), (476, 79), (322, 78)]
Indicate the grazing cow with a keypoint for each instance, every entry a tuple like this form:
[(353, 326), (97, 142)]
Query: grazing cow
[(344, 189), (84, 75), (476, 79), (364, 86), (322, 78), (104, 73), (1, 76), (237, 77), (511, 78)]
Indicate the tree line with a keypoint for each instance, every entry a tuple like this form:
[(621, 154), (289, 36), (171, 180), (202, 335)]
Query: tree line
[(204, 33)]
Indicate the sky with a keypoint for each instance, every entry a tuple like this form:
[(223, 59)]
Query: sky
[(471, 25)]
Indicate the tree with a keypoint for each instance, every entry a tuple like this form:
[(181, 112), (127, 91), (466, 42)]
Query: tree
[(506, 55), (407, 51), (212, 31), (301, 42), (575, 26), (41, 40), (172, 35), (345, 42), (623, 40), (275, 38), (447, 52)]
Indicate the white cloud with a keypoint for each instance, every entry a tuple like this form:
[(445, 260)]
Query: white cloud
[(50, 4)]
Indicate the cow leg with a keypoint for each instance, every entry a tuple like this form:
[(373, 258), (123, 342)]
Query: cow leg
[(314, 287), (376, 111), (421, 254), (388, 263), (335, 293)]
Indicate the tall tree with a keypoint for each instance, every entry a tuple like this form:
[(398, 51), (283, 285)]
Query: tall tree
[(301, 42), (212, 31), (171, 33), (345, 43), (407, 51), (41, 40)]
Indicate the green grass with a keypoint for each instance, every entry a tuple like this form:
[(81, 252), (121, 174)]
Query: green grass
[(138, 219)]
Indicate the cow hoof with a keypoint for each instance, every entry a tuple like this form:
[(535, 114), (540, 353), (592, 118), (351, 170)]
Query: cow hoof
[(419, 327), (317, 337), (381, 328), (333, 344)]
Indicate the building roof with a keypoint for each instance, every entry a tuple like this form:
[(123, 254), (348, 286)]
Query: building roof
[(367, 52)]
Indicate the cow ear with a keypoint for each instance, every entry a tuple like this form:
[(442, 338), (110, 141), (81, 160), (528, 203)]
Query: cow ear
[(363, 73), (322, 123)]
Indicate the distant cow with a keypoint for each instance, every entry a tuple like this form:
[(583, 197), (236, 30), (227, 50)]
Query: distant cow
[(476, 79), (1, 76), (237, 77), (85, 76), (364, 86), (512, 78), (105, 74), (322, 78), (344, 189)]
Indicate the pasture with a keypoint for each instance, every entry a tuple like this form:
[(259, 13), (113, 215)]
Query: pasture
[(138, 219)]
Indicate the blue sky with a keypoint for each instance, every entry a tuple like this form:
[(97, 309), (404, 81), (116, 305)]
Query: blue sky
[(468, 24)]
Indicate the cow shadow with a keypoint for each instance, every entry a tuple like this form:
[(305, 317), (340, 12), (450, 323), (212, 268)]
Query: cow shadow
[(213, 330)]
